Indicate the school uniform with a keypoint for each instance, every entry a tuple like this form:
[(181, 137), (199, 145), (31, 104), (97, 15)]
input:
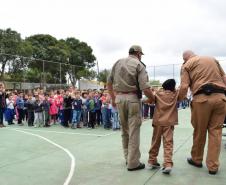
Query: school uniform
[(30, 112), (92, 114), (20, 109), (106, 112), (46, 113), (84, 112), (38, 109), (67, 110), (25, 117), (9, 113), (115, 118), (98, 110), (77, 111)]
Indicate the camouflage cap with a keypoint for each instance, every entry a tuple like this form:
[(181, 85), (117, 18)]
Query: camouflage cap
[(136, 48)]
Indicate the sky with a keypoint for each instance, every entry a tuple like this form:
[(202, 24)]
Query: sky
[(164, 28)]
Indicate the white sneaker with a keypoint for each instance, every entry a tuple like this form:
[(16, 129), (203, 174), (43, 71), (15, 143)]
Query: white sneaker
[(167, 170), (153, 166)]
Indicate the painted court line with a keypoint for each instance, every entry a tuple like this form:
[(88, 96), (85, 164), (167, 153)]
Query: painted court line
[(110, 134), (59, 132), (72, 169), (177, 149)]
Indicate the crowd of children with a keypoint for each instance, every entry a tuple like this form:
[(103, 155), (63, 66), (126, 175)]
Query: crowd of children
[(92, 108), (70, 108)]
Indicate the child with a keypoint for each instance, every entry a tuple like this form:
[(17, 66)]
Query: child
[(164, 119), (106, 111), (46, 107), (9, 114), (84, 109), (90, 103), (98, 107), (25, 108), (59, 102), (30, 110), (53, 111), (115, 118), (20, 108), (67, 108), (38, 108), (77, 110)]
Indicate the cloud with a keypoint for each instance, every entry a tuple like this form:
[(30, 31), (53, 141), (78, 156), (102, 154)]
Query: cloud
[(163, 28), (109, 44), (214, 8)]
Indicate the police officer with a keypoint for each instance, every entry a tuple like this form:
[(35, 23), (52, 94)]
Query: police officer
[(125, 84), (206, 79)]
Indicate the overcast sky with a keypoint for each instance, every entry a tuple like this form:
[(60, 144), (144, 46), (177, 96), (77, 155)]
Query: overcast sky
[(164, 28)]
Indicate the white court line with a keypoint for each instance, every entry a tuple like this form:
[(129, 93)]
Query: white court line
[(72, 169), (110, 134), (59, 132)]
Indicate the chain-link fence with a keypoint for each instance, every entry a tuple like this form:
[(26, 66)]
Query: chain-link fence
[(25, 73), (163, 72)]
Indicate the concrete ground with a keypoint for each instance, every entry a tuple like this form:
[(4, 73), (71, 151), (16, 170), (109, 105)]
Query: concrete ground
[(45, 156)]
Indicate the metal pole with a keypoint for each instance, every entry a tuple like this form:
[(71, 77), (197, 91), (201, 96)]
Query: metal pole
[(79, 86), (98, 72), (173, 71), (73, 76), (42, 78), (60, 76), (24, 81), (43, 74)]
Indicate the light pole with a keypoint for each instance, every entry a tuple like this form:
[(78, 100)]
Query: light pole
[(98, 72)]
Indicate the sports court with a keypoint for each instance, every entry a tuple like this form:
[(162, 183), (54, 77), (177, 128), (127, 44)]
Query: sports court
[(59, 156)]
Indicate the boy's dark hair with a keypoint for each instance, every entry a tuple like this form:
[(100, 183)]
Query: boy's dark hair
[(169, 84), (46, 94)]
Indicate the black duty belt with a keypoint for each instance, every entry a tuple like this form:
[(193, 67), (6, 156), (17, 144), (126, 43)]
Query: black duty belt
[(206, 92)]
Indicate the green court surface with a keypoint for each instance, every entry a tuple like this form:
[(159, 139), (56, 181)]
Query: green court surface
[(59, 156)]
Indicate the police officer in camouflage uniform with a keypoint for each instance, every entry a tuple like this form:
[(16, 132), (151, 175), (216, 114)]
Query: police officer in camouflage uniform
[(126, 82)]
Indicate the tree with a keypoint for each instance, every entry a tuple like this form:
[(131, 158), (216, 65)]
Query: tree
[(48, 59), (82, 59), (103, 75), (18, 67), (33, 75), (87, 74), (155, 83), (47, 48), (10, 42), (75, 58)]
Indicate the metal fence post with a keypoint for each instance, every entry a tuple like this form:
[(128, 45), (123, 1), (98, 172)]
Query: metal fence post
[(173, 72), (43, 75), (24, 81), (60, 76)]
